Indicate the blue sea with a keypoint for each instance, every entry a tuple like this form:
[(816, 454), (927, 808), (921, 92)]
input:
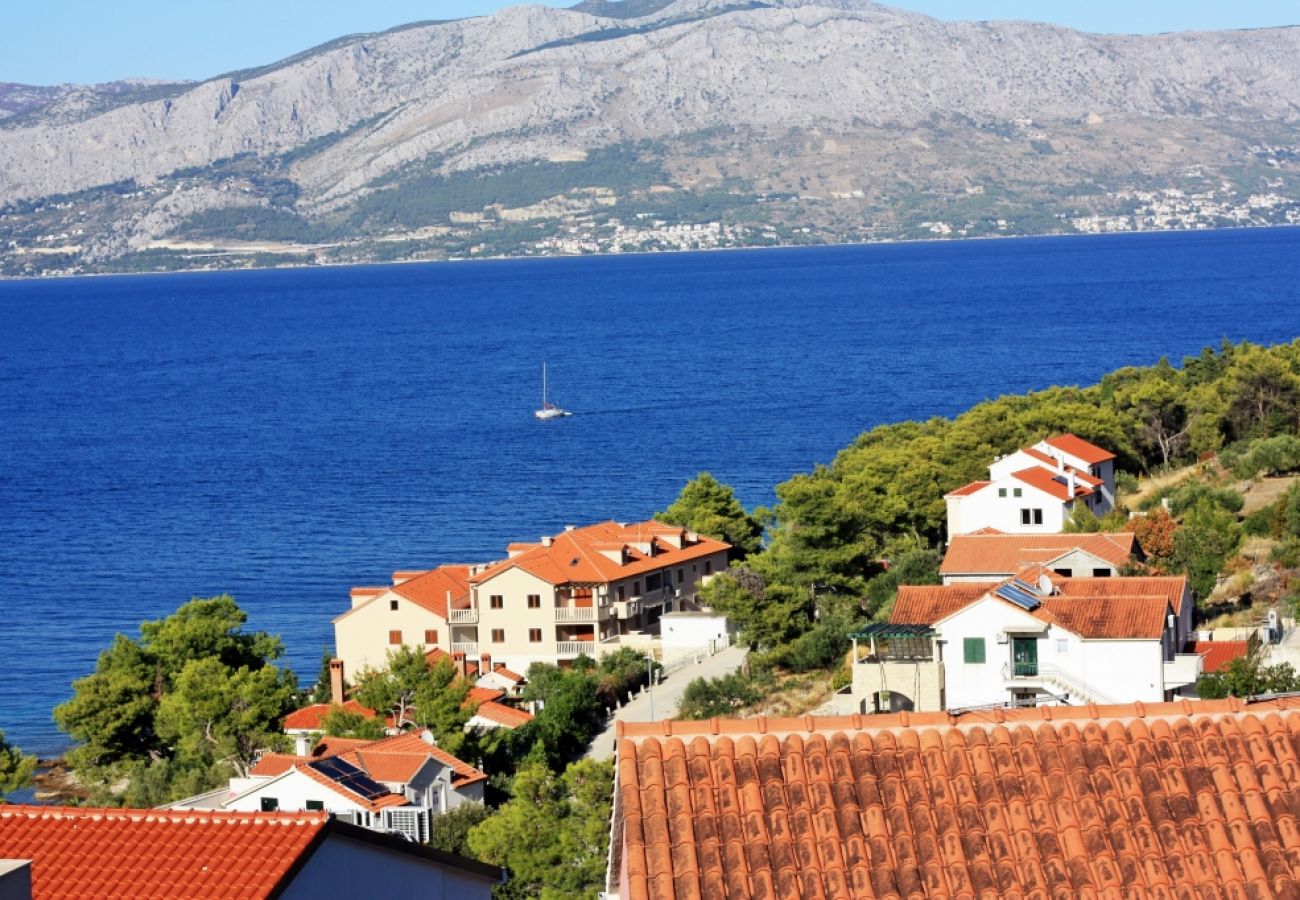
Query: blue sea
[(285, 435)]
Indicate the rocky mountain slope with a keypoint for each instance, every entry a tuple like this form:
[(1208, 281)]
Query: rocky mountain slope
[(780, 102)]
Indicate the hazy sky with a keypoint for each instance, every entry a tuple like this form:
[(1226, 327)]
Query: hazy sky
[(93, 40)]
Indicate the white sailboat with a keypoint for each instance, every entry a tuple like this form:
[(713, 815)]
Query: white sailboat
[(549, 410)]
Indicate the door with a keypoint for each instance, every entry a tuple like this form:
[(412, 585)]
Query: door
[(1024, 656)]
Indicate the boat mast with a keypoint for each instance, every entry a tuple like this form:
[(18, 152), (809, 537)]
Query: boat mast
[(543, 384)]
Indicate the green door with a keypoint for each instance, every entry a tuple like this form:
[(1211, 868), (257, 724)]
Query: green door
[(1024, 656)]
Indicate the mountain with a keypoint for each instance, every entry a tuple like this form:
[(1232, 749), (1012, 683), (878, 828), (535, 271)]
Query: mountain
[(651, 123)]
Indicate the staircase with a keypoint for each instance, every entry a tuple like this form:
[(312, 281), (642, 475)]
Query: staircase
[(1079, 691)]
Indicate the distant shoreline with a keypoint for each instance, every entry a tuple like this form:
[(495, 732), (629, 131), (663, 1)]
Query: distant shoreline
[(459, 260)]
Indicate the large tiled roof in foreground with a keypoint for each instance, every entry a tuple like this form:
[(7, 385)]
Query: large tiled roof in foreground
[(81, 853), (1191, 799)]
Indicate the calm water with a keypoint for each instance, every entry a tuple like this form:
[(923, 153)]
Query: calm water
[(285, 435)]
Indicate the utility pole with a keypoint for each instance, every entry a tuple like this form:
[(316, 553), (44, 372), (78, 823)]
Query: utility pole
[(650, 683)]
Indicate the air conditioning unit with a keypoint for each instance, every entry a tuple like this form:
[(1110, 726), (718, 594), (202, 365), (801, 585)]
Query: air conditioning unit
[(1002, 637)]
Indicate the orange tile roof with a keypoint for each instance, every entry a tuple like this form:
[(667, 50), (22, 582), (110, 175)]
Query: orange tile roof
[(1002, 554), (500, 669), (968, 489), (374, 804), (1191, 799), (410, 742), (388, 767), (138, 853), (431, 589), (309, 718), (1051, 483), (1217, 654), (574, 558), (272, 764), (1093, 608), (479, 695), (928, 603), (504, 715), (1079, 448)]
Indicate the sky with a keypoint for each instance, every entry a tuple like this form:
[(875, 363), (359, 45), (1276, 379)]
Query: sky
[(91, 40)]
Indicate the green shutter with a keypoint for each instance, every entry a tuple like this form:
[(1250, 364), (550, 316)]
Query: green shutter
[(974, 649)]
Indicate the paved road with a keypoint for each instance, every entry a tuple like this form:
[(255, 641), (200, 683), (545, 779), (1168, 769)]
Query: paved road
[(666, 696)]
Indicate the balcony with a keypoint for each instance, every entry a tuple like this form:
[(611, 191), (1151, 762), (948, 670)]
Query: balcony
[(1182, 670), (569, 614), (462, 616), (469, 648), (575, 648), (626, 609), (1024, 670)]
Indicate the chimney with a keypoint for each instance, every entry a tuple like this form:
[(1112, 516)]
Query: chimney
[(568, 527), (458, 659), (546, 540), (337, 694), (485, 664), (1060, 463), (1069, 483), (302, 744)]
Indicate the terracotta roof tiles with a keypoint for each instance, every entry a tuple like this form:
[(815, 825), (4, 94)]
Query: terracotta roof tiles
[(1003, 554), (967, 489), (1190, 799), (574, 556), (309, 718), (1079, 448), (79, 853), (432, 590), (504, 715), (411, 742), (1217, 654), (1051, 483)]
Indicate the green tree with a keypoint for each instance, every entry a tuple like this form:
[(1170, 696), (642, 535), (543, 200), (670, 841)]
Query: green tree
[(553, 834), (707, 698), (342, 722), (571, 713), (322, 691), (1208, 536), (188, 704), (1081, 520), (450, 830), (418, 694), (710, 508), (15, 768), (1246, 677)]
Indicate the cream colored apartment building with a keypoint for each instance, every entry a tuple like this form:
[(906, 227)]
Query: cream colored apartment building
[(584, 591)]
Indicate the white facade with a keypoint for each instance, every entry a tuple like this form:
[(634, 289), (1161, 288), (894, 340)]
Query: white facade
[(1009, 505), (1098, 671), (685, 632)]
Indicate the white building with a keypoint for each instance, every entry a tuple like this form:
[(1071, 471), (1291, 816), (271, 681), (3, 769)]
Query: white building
[(1033, 490), (988, 556), (1037, 638)]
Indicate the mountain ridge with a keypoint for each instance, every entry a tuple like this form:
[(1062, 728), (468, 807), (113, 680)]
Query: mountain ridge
[(720, 93)]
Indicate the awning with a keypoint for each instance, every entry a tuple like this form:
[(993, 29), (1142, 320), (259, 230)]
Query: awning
[(893, 630)]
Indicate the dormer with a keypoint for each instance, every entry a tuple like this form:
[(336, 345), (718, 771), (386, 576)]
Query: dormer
[(615, 551)]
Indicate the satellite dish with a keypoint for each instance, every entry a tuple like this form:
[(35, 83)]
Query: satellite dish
[(1044, 584)]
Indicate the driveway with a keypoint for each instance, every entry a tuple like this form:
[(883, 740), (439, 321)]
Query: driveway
[(665, 696)]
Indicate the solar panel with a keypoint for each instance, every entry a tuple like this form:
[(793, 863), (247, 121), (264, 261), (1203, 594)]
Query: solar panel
[(350, 777), (1024, 599)]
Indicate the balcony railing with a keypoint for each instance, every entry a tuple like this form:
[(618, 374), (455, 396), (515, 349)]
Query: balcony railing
[(579, 613), (575, 648), (462, 616), (1024, 670), (469, 648)]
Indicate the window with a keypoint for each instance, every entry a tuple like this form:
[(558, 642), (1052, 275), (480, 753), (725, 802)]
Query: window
[(394, 637), (1024, 517), (681, 575), (534, 635), (1101, 573), (1038, 517), (315, 806), (653, 582), (1064, 573), (496, 601), (636, 588), (1015, 492), (973, 649), (1062, 646), (708, 567), (498, 635), (431, 635), (534, 601), (1002, 492), (270, 804), (392, 604)]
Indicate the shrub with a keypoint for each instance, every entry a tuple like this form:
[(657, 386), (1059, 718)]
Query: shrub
[(707, 698)]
